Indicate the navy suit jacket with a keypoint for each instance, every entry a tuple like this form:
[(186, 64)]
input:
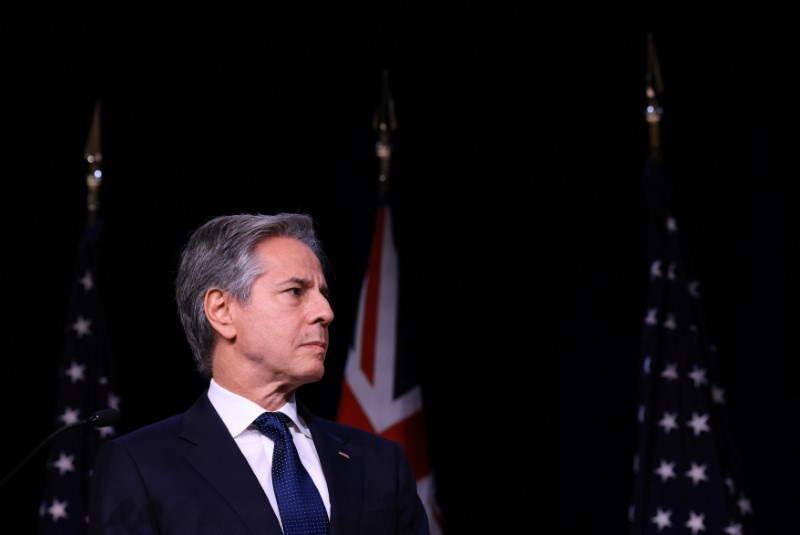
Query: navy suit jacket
[(186, 475)]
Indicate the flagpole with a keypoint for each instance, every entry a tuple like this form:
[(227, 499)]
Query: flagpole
[(86, 378), (370, 398), (93, 156), (384, 121), (654, 86), (686, 472)]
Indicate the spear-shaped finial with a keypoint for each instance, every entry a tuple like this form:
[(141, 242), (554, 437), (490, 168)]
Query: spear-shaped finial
[(93, 157), (653, 88), (384, 121)]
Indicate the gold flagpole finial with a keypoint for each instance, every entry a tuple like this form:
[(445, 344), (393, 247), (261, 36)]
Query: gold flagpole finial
[(384, 121), (93, 156), (653, 88)]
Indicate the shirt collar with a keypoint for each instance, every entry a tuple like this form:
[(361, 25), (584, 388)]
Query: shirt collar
[(238, 413)]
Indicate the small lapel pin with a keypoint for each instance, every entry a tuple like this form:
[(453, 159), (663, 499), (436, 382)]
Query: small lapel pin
[(343, 454)]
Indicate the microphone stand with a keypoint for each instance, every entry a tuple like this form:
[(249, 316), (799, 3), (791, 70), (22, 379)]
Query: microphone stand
[(101, 418)]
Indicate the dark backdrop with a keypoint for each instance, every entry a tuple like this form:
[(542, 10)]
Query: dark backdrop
[(730, 146), (518, 213), (247, 108)]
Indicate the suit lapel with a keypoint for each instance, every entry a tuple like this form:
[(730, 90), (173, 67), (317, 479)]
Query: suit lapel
[(214, 454), (344, 474)]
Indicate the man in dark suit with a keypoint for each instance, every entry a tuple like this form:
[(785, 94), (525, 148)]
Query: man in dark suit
[(253, 302)]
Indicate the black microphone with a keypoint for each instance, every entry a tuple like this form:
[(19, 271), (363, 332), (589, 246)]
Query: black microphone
[(101, 418)]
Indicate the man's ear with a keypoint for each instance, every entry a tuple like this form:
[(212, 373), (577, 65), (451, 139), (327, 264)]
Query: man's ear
[(217, 305)]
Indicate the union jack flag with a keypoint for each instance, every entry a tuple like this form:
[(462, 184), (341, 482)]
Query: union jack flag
[(379, 392)]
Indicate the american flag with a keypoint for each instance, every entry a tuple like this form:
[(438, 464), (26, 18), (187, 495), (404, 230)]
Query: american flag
[(379, 392), (687, 474), (85, 385)]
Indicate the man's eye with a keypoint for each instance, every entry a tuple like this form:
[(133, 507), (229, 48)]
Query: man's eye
[(295, 291)]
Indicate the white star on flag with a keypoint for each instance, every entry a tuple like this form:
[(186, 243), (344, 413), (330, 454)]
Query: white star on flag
[(65, 463), (734, 529), (82, 326), (718, 394), (58, 510), (670, 371), (662, 519), (696, 522), (666, 470), (87, 281), (699, 423), (744, 505), (669, 421), (694, 289), (672, 225), (697, 473), (655, 268), (70, 416), (671, 271), (698, 375), (76, 372), (113, 401)]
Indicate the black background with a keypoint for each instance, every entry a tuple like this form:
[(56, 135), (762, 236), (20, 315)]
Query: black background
[(518, 210), (730, 146), (246, 108)]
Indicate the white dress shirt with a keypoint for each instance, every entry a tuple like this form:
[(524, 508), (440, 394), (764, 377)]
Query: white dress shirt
[(238, 413)]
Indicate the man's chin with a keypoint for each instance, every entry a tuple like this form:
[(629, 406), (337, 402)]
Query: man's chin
[(314, 373)]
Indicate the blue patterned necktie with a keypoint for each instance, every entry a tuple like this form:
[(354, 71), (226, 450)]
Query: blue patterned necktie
[(301, 508)]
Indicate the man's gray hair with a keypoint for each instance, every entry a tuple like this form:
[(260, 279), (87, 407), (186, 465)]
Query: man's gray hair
[(220, 254)]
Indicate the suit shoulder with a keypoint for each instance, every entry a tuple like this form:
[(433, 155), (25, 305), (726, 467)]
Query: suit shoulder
[(352, 433), (168, 427)]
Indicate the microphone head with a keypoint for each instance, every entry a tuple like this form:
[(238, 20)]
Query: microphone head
[(104, 418)]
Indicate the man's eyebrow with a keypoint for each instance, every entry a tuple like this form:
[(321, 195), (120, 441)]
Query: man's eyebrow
[(308, 283), (305, 283)]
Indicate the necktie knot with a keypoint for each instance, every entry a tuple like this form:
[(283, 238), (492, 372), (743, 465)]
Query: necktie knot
[(299, 502), (274, 425)]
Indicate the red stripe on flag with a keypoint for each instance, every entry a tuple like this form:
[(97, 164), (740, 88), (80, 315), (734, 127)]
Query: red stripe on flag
[(350, 411), (372, 298), (362, 393)]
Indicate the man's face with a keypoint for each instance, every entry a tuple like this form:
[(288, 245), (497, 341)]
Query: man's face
[(283, 329)]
